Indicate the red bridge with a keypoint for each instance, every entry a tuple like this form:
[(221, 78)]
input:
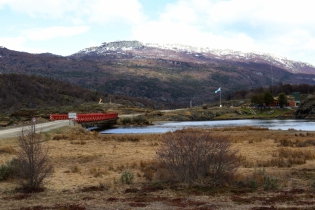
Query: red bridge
[(91, 119)]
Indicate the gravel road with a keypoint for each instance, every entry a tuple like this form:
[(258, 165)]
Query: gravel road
[(12, 132)]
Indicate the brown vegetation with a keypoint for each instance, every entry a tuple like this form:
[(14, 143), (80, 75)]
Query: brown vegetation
[(88, 175), (24, 96), (32, 162), (198, 158), (171, 79)]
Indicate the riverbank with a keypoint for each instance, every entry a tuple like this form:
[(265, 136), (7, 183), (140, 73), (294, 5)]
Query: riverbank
[(166, 126), (202, 114)]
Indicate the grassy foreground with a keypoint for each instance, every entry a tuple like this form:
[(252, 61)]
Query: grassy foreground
[(88, 168)]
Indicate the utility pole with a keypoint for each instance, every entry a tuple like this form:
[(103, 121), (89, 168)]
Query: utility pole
[(271, 79)]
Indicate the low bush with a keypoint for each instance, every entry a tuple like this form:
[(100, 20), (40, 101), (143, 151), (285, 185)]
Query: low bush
[(127, 177), (270, 183), (286, 143), (7, 170), (306, 143), (198, 158), (137, 120), (259, 179), (125, 120), (140, 120)]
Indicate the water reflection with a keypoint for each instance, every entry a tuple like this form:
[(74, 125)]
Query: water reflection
[(304, 125)]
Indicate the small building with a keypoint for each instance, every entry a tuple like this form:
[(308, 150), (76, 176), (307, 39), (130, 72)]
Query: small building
[(297, 98), (293, 100)]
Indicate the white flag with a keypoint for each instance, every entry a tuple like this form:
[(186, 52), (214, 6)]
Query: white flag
[(218, 90)]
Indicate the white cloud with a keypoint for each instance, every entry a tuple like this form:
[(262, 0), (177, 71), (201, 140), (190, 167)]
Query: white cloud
[(168, 32), (281, 27), (18, 44), (101, 11), (12, 43), (285, 27), (128, 11), (42, 8), (55, 32)]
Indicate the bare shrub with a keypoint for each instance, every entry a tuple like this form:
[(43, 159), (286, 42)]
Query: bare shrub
[(32, 160), (198, 157)]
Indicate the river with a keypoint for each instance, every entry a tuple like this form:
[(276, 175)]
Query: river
[(303, 125)]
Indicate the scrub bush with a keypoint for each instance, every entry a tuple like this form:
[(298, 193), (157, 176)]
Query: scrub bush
[(198, 158), (32, 163), (7, 170), (127, 177)]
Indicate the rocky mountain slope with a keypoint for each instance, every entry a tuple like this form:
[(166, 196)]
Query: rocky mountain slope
[(172, 75), (137, 49)]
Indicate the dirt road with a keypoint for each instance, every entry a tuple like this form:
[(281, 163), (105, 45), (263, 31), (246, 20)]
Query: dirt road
[(12, 132)]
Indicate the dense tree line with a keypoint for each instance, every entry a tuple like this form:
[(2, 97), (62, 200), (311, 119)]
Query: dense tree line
[(275, 90), (265, 99)]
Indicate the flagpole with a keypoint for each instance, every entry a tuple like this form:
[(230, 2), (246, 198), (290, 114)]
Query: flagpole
[(220, 97), (219, 90)]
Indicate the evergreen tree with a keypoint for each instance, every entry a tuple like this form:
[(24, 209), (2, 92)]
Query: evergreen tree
[(258, 99), (268, 98), (282, 99)]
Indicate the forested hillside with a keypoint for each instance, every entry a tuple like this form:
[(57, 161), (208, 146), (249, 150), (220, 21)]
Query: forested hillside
[(168, 77), (19, 91)]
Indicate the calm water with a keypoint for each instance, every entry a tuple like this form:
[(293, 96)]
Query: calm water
[(304, 125)]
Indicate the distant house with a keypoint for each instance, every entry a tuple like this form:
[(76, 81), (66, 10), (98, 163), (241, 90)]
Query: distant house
[(293, 100), (297, 98)]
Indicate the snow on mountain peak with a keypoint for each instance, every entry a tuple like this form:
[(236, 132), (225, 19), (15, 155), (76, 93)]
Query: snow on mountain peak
[(221, 54), (227, 54)]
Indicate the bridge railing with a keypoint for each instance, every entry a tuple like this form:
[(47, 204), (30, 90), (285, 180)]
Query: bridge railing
[(81, 118)]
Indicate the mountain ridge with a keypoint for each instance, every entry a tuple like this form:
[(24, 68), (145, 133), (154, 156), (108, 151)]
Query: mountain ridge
[(219, 54), (170, 77)]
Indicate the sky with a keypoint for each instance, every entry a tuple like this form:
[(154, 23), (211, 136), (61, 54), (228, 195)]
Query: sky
[(63, 27)]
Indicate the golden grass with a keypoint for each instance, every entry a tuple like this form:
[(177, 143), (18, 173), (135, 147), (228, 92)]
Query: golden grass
[(7, 149), (82, 158)]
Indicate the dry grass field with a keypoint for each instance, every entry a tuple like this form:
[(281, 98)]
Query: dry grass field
[(88, 168)]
